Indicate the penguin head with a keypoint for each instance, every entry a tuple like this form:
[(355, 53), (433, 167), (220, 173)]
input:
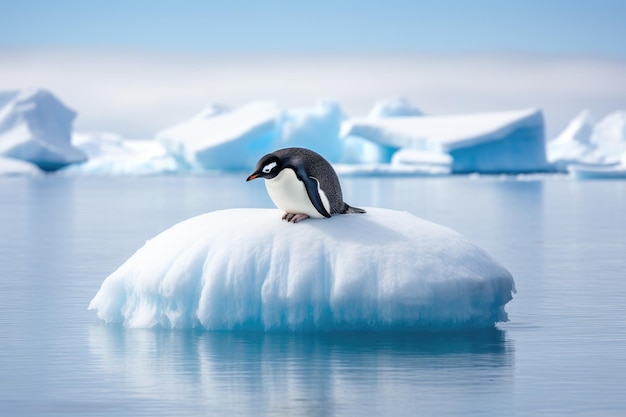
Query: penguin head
[(268, 167)]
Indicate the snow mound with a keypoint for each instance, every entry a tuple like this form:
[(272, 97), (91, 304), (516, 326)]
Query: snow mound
[(248, 269), (36, 127), (110, 154), (394, 107), (502, 142)]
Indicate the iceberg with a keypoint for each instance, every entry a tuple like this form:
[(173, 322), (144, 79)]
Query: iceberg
[(366, 153), (356, 150), (616, 170), (389, 170), (110, 154), (394, 107), (585, 172), (609, 135), (235, 140), (36, 127), (573, 145), (246, 269), (594, 148), (224, 140), (314, 128), (10, 167), (428, 162), (502, 142)]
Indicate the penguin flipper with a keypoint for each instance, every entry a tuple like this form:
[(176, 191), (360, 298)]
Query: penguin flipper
[(311, 184)]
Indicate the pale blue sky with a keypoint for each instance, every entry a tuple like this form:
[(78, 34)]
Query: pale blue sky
[(137, 66), (592, 27)]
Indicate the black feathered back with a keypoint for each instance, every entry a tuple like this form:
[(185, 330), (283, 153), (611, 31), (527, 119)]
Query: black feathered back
[(319, 168)]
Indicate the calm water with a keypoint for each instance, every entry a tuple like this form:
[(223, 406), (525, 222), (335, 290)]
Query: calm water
[(562, 353)]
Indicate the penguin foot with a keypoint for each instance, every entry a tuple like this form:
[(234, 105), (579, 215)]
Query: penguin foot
[(294, 217)]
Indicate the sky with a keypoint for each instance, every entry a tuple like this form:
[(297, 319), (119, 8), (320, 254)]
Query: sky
[(136, 67)]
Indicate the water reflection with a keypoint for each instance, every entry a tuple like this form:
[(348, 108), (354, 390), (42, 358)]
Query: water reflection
[(307, 374)]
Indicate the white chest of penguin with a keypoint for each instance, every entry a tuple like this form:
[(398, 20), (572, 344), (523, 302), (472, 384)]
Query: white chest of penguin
[(289, 194)]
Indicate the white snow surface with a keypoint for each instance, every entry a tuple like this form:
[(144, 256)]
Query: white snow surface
[(246, 269), (36, 127)]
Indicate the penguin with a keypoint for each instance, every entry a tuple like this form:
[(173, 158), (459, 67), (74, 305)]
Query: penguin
[(302, 183)]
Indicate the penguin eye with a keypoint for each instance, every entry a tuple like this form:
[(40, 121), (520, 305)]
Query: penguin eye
[(267, 168)]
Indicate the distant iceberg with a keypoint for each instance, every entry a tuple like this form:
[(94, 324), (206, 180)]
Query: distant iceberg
[(395, 138), (366, 153), (394, 107), (110, 154), (316, 128), (230, 140), (358, 151), (10, 167), (429, 162), (573, 145), (36, 127), (615, 170), (235, 140), (246, 269), (609, 135), (586, 172), (504, 142), (588, 148)]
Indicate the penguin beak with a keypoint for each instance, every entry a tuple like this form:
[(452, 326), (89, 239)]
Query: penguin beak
[(253, 176)]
